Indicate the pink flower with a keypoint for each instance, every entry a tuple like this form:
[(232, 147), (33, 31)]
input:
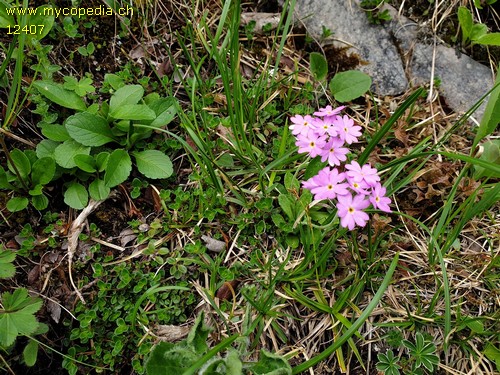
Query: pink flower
[(346, 129), (364, 173), (350, 211), (301, 125), (310, 143), (329, 111), (329, 184), (325, 126), (334, 152), (378, 198)]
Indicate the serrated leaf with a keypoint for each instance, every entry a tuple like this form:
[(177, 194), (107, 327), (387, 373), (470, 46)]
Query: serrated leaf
[(76, 196), (64, 153), (118, 168), (98, 190), (89, 129), (153, 164), (7, 270), (16, 204), (346, 86), (139, 112), (59, 95), (55, 132), (319, 65), (22, 163), (124, 96), (30, 353), (43, 171)]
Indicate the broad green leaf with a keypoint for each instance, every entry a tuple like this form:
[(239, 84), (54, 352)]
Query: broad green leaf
[(40, 202), (5, 18), (493, 354), (45, 16), (114, 81), (478, 31), (346, 86), (98, 190), (4, 181), (55, 132), (7, 269), (30, 353), (102, 160), (118, 168), (491, 154), (491, 117), (59, 95), (165, 110), (76, 196), (17, 204), (139, 112), (271, 364), (22, 163), (197, 337), (65, 153), (319, 65), (85, 162), (287, 204), (491, 39), (167, 358), (291, 183), (466, 22), (153, 164), (124, 96), (46, 148), (475, 325), (37, 190), (89, 129), (43, 171)]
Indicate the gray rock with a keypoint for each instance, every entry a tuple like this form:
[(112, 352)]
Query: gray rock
[(351, 28), (396, 56)]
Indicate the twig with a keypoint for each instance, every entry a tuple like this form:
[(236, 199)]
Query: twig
[(74, 233)]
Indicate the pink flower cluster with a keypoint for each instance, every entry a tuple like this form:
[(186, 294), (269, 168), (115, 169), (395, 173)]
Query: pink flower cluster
[(354, 188)]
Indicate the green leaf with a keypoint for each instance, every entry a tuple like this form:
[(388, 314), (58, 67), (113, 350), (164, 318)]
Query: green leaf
[(491, 154), (43, 171), (98, 190), (81, 87), (139, 112), (30, 353), (165, 110), (466, 22), (85, 162), (118, 168), (346, 86), (287, 204), (319, 65), (114, 81), (40, 202), (197, 337), (493, 354), (64, 153), (167, 358), (4, 181), (17, 317), (478, 31), (102, 160), (55, 132), (491, 117), (125, 96), (271, 364), (89, 129), (22, 163), (46, 148), (5, 18), (491, 39), (7, 269), (153, 164), (16, 204), (37, 190), (44, 16), (59, 95), (76, 196)]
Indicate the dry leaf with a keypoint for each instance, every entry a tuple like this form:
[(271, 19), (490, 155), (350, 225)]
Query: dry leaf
[(213, 244), (170, 332), (268, 20), (55, 310), (126, 236)]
